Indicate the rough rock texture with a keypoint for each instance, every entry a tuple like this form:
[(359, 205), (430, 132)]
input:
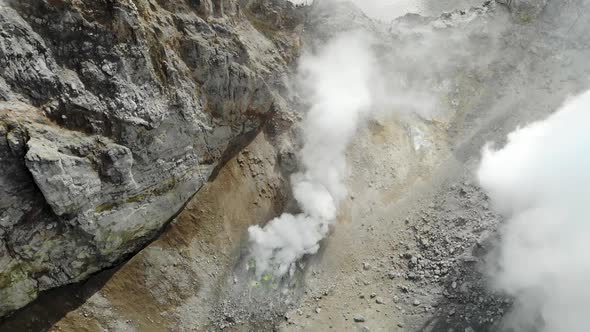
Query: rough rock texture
[(525, 10), (113, 113)]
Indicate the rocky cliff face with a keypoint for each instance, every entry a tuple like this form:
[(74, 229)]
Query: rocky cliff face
[(113, 113)]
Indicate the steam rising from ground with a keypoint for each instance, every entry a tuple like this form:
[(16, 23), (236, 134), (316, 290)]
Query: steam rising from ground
[(338, 79), (541, 182), (355, 75)]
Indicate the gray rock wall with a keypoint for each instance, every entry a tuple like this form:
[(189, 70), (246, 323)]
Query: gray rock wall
[(114, 113)]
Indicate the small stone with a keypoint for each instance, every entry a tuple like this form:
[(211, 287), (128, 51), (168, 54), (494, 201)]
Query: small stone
[(358, 319), (379, 300), (366, 266), (373, 295), (454, 285), (416, 302), (318, 310), (413, 276), (365, 329), (400, 324)]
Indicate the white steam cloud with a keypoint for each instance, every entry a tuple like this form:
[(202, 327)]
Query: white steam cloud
[(353, 76), (338, 79), (541, 182)]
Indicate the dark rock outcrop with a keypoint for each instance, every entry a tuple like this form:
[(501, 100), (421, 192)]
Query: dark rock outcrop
[(113, 113)]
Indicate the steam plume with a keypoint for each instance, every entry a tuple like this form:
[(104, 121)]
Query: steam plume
[(343, 82), (338, 78), (541, 182)]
